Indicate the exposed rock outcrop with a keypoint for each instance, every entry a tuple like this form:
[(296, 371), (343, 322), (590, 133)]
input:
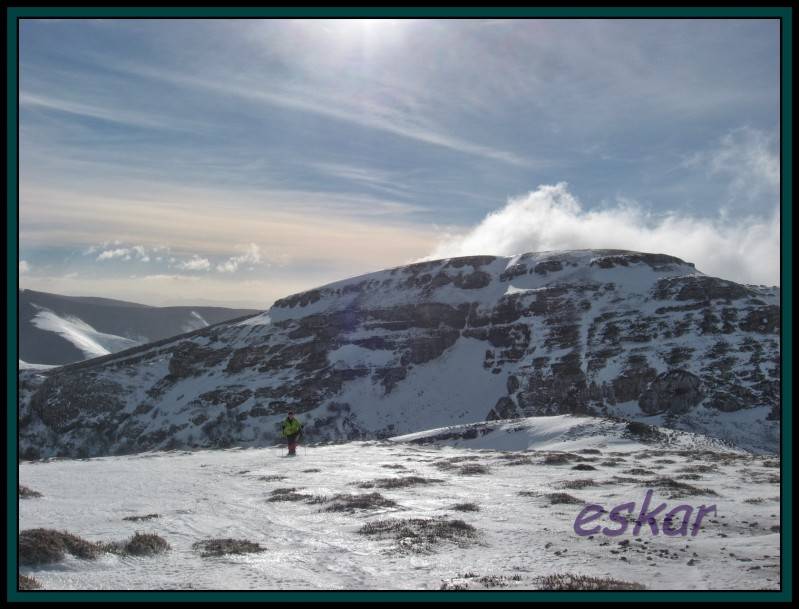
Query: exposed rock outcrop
[(675, 391)]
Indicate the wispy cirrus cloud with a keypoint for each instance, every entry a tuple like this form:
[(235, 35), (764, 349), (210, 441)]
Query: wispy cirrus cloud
[(252, 255), (299, 225), (134, 252), (121, 252), (749, 159), (101, 112), (195, 263), (338, 105), (169, 277), (141, 253)]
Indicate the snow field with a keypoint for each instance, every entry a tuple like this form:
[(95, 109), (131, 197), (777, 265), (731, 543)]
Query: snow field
[(223, 494)]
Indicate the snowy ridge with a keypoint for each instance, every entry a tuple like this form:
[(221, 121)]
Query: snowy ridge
[(489, 280), (561, 433)]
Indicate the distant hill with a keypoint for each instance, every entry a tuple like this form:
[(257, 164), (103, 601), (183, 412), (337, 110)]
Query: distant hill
[(57, 330)]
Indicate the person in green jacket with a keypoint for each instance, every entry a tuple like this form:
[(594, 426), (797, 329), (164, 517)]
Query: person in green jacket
[(292, 430)]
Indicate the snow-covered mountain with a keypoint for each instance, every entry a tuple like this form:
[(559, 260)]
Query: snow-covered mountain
[(481, 506), (55, 329), (603, 332)]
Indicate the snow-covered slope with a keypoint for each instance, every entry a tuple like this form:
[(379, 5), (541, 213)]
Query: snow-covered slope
[(522, 506), (562, 433), (23, 365), (80, 334), (603, 332), (55, 329)]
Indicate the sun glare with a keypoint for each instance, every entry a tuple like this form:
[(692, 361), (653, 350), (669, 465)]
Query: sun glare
[(372, 31)]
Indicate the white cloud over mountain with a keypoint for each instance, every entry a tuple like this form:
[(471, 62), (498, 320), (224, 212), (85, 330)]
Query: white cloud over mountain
[(551, 218)]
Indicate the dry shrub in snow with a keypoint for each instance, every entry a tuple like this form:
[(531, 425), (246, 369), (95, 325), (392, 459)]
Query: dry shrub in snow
[(420, 534), (44, 546), (569, 581), (220, 547), (399, 482), (27, 583), (141, 544), (350, 503)]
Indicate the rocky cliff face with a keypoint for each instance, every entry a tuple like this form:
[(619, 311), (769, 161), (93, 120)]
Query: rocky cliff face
[(606, 332)]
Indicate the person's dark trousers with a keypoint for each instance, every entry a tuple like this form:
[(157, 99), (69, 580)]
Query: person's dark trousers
[(292, 440)]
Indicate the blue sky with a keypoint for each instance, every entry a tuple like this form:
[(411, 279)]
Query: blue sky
[(238, 161)]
